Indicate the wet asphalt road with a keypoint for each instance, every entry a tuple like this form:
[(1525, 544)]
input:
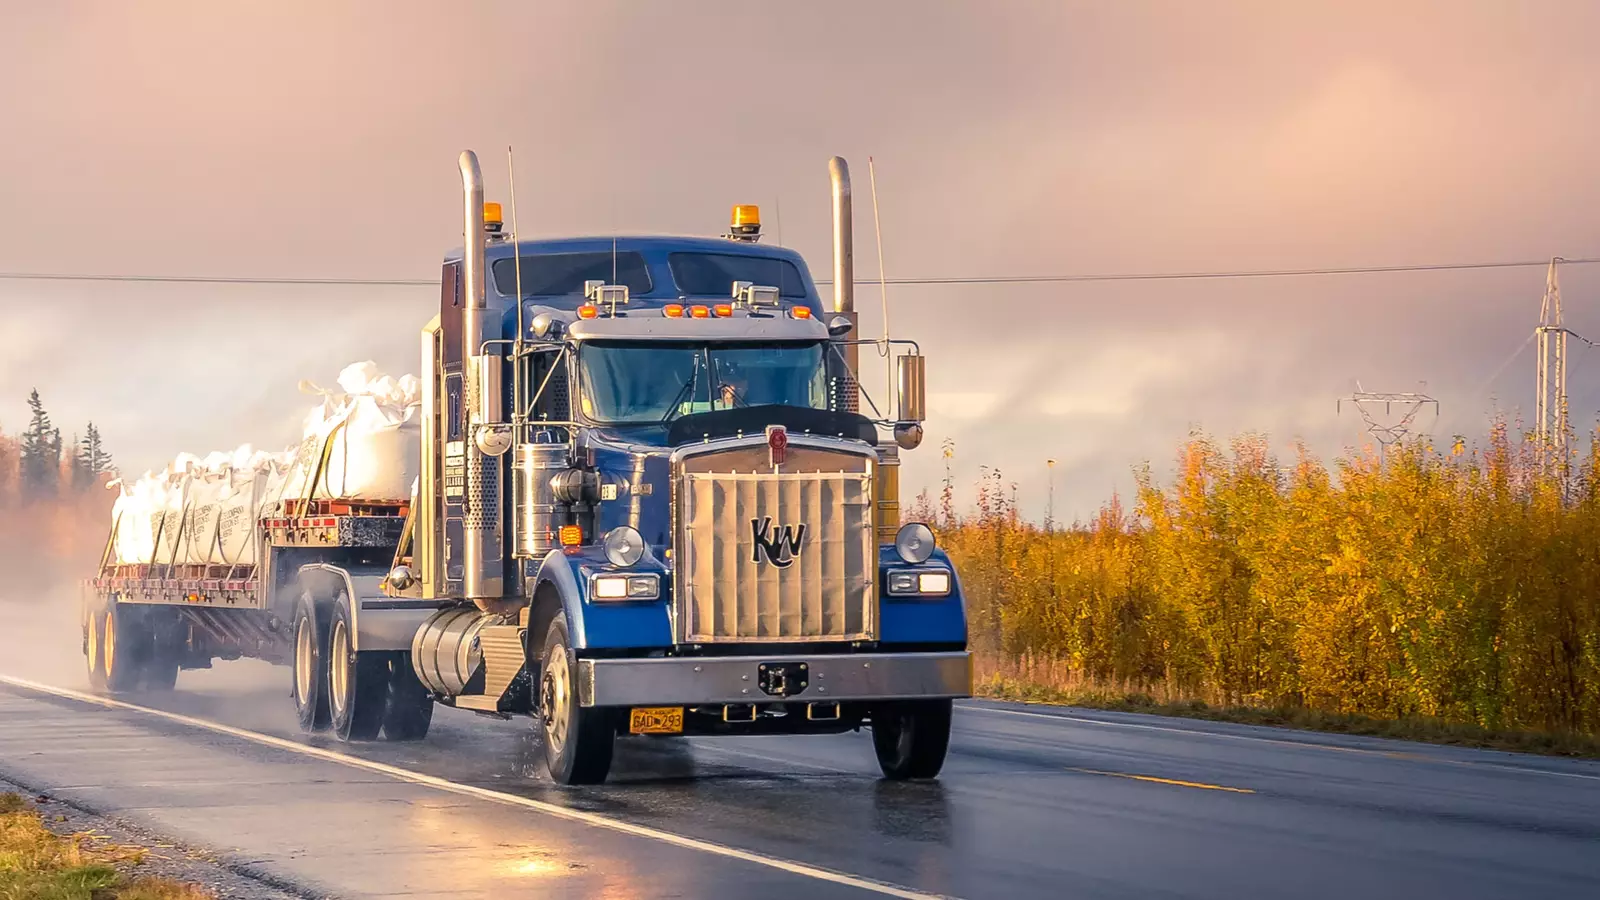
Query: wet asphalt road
[(1034, 802)]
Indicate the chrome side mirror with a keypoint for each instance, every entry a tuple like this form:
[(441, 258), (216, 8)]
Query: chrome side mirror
[(543, 325), (913, 387), (912, 400), (908, 435), (839, 326), (401, 578)]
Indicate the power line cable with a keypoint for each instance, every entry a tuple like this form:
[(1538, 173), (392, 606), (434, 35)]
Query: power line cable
[(976, 280)]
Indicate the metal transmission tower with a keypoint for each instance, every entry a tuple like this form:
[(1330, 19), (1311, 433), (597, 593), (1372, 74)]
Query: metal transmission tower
[(1410, 404), (1551, 404)]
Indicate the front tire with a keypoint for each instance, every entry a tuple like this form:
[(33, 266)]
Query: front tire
[(309, 685), (358, 683), (410, 709), (578, 740), (911, 738)]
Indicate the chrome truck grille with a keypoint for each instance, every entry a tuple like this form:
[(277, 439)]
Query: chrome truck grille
[(775, 553)]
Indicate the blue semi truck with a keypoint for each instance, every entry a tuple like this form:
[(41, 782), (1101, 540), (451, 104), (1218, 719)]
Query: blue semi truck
[(649, 502)]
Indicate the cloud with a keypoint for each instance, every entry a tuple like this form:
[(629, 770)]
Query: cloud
[(1008, 139)]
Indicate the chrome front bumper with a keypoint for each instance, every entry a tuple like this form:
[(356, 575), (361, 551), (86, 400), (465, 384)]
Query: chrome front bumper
[(693, 681)]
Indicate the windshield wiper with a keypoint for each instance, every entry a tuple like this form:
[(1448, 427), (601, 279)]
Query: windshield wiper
[(688, 386)]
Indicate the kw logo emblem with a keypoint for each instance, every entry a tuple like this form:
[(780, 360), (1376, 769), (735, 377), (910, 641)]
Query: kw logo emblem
[(781, 548)]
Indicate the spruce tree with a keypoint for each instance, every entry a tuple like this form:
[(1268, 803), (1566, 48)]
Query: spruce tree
[(40, 463), (90, 459)]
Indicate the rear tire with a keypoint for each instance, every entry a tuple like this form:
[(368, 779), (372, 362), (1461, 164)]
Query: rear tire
[(410, 708), (161, 663), (309, 681), (94, 634), (125, 645), (911, 738), (358, 683), (578, 740)]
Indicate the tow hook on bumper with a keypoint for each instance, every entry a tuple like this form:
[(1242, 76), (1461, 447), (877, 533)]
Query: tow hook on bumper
[(782, 679)]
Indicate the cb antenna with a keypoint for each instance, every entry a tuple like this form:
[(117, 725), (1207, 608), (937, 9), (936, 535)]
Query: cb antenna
[(883, 280), (516, 235), (516, 257)]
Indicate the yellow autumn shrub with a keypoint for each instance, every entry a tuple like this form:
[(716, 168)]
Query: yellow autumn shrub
[(1461, 586)]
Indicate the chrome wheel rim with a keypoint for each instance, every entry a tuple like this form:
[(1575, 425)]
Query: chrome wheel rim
[(339, 668), (557, 691), (302, 661)]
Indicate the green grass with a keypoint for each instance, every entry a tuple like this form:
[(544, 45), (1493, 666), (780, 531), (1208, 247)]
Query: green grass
[(1433, 731), (37, 864)]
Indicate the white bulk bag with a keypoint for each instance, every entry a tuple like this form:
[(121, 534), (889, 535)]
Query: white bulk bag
[(171, 549), (135, 540), (372, 451), (275, 484), (237, 517), (318, 426), (200, 518)]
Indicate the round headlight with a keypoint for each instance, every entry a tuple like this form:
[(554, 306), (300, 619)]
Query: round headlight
[(914, 543), (624, 546)]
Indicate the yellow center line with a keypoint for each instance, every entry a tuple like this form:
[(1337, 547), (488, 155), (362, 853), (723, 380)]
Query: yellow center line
[(1171, 781)]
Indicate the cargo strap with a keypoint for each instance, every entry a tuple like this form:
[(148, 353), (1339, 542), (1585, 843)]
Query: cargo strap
[(111, 540), (310, 488)]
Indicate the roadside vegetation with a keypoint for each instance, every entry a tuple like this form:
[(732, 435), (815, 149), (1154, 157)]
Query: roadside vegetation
[(37, 864), (1440, 596)]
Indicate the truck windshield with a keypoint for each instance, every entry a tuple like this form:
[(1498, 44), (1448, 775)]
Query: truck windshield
[(656, 382)]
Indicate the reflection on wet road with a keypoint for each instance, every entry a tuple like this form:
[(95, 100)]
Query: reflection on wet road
[(1033, 803)]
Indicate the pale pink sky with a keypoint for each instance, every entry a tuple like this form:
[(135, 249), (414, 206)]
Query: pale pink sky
[(301, 139)]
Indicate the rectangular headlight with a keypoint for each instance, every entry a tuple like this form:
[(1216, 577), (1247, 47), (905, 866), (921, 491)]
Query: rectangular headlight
[(919, 583), (626, 587)]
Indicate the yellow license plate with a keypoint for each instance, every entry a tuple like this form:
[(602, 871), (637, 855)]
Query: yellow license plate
[(656, 720)]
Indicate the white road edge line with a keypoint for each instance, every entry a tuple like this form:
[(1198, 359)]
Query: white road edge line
[(1309, 745), (586, 818)]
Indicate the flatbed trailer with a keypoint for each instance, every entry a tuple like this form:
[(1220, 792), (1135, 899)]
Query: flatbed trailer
[(143, 623)]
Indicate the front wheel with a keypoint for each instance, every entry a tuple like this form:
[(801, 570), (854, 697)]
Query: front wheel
[(911, 738), (410, 709), (577, 740)]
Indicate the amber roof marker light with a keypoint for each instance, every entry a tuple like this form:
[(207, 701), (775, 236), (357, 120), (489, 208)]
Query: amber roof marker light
[(744, 224)]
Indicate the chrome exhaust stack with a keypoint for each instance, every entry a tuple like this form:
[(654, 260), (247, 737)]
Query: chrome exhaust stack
[(844, 274), (482, 556)]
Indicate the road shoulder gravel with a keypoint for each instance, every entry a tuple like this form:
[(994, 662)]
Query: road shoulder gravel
[(162, 857)]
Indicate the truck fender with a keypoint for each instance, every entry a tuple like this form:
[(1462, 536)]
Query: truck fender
[(556, 573), (330, 585), (337, 585)]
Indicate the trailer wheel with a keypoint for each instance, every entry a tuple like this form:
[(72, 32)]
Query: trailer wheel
[(410, 709), (124, 648), (358, 683), (911, 738), (94, 634), (161, 664), (577, 740), (310, 682)]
